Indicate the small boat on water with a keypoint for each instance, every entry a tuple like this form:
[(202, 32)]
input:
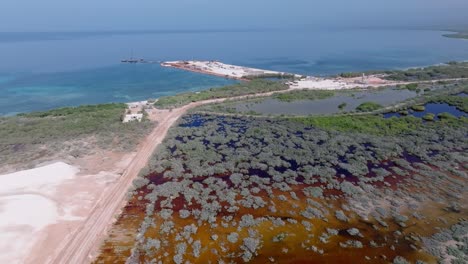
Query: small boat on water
[(131, 60)]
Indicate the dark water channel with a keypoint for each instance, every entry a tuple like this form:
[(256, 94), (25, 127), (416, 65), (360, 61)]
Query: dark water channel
[(432, 108)]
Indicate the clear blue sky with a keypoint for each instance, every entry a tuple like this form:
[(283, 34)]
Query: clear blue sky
[(85, 15)]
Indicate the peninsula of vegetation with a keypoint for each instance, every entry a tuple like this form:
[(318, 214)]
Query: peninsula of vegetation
[(220, 69), (372, 168), (458, 35)]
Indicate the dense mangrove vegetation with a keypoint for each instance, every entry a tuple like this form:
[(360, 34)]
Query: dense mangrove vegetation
[(450, 70), (303, 95), (369, 124), (71, 131), (446, 71), (277, 76), (368, 107), (242, 189)]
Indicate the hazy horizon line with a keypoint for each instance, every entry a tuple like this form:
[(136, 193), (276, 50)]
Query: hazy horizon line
[(454, 28)]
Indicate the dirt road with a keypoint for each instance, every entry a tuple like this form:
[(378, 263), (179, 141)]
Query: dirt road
[(85, 241)]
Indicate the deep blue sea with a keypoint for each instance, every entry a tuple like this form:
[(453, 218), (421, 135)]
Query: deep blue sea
[(40, 71)]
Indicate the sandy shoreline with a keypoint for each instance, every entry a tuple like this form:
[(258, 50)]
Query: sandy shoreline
[(230, 71), (220, 69)]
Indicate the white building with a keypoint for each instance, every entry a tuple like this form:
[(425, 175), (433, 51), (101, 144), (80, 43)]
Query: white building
[(132, 117)]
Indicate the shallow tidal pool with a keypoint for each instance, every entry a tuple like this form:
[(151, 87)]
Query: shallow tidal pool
[(432, 108), (385, 97)]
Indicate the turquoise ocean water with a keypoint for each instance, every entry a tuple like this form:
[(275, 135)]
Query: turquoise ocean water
[(119, 83), (40, 71)]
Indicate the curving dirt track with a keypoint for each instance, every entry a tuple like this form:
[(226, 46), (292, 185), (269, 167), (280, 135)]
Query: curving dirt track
[(86, 239), (81, 246)]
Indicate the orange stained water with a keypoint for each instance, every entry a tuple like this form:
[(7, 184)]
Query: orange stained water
[(296, 246)]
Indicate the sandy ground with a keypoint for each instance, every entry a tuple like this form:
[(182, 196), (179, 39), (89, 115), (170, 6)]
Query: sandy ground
[(218, 69), (339, 83), (41, 207), (28, 204), (372, 81)]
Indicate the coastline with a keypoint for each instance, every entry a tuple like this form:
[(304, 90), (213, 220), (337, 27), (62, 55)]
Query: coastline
[(39, 103), (202, 72), (230, 71)]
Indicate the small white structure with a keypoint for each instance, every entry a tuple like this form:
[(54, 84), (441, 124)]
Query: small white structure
[(132, 117)]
